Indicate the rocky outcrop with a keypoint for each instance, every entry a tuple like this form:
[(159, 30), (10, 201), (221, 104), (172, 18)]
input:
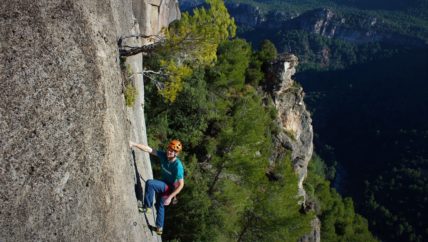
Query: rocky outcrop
[(296, 132), (293, 118), (66, 172)]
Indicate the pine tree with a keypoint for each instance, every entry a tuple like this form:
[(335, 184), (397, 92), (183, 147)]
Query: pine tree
[(191, 43)]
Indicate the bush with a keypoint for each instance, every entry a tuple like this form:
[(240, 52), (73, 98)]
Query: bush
[(131, 94)]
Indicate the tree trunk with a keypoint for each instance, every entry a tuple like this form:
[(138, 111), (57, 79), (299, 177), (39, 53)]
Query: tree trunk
[(211, 190)]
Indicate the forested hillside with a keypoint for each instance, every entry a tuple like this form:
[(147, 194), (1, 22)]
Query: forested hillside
[(378, 132), (367, 97), (212, 100), (406, 16)]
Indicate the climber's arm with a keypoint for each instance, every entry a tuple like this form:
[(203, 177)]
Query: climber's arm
[(143, 147)]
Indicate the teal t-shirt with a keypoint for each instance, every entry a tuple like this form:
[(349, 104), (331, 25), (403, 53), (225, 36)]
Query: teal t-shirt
[(171, 172)]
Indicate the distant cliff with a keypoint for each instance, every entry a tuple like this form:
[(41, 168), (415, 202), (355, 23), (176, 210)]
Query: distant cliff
[(66, 172), (321, 21), (355, 29), (245, 14)]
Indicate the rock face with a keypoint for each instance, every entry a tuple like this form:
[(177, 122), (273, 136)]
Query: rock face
[(294, 119), (327, 23), (245, 14), (296, 129), (66, 172), (153, 15), (319, 21)]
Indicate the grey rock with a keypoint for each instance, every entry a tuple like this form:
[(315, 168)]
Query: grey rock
[(153, 15), (293, 118), (295, 122), (66, 170)]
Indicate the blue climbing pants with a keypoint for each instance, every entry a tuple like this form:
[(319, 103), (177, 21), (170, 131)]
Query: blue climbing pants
[(158, 187)]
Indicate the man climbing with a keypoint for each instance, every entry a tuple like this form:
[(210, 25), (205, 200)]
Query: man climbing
[(171, 183)]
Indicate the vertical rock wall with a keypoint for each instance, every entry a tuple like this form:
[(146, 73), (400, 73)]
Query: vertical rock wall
[(66, 171), (153, 15)]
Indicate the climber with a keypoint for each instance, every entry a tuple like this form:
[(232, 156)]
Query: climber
[(169, 186)]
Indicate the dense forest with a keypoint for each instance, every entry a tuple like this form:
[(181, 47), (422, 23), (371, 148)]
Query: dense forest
[(378, 131), (368, 101), (206, 93), (409, 11)]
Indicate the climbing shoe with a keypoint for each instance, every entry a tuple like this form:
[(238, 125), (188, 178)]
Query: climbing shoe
[(145, 210), (159, 231)]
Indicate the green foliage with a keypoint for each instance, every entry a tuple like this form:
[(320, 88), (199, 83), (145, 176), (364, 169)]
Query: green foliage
[(243, 141), (387, 185), (131, 94), (276, 209), (191, 218), (190, 112), (260, 60), (176, 72), (339, 222), (130, 91), (195, 37), (318, 52), (233, 60), (226, 129), (247, 196), (407, 26), (267, 51), (254, 75), (190, 43), (395, 210), (394, 184), (401, 16), (186, 118)]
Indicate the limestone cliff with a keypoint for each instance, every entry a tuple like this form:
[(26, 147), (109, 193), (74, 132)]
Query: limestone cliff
[(66, 170), (327, 23), (293, 118), (296, 132)]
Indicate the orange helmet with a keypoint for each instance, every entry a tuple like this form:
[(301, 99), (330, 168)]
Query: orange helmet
[(175, 145)]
